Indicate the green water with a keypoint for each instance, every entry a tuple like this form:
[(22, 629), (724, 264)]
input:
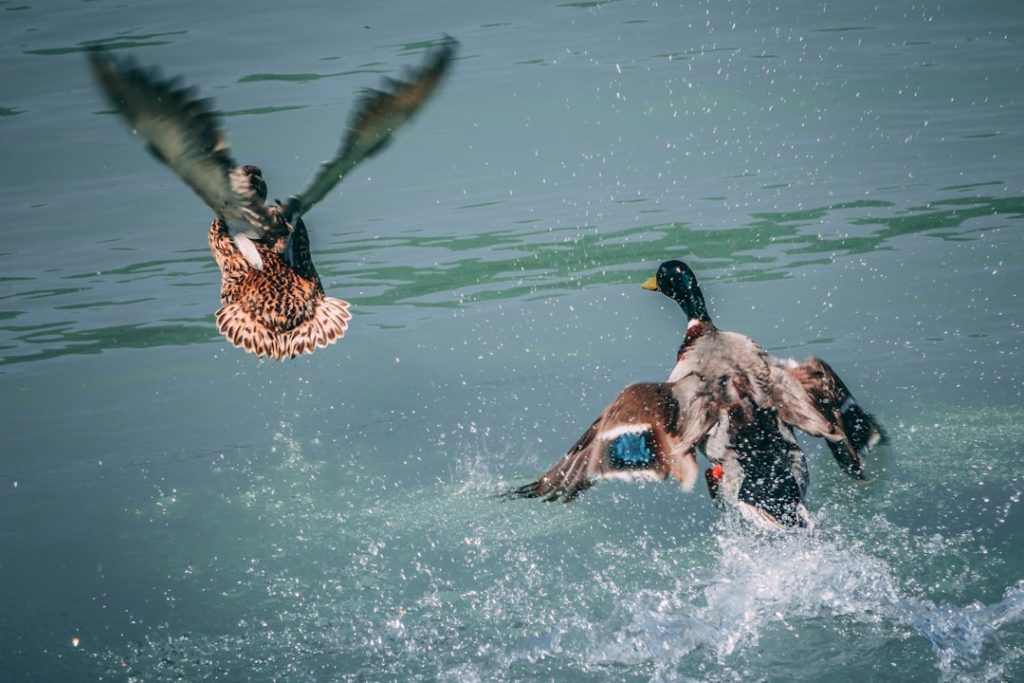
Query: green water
[(845, 179)]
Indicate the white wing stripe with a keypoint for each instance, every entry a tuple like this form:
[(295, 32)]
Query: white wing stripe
[(616, 432)]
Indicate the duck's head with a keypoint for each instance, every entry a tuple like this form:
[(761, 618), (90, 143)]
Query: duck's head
[(676, 281), (255, 177)]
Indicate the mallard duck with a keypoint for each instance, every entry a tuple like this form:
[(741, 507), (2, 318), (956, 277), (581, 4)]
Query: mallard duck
[(273, 303), (729, 399)]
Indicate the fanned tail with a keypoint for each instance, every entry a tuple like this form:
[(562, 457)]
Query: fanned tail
[(326, 326)]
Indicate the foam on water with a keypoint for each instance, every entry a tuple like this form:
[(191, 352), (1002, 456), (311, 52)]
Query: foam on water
[(794, 581), (444, 582)]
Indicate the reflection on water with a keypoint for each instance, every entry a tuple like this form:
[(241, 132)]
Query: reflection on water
[(304, 78), (53, 340), (120, 42), (521, 262), (260, 111)]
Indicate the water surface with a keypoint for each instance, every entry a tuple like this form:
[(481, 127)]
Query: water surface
[(845, 180)]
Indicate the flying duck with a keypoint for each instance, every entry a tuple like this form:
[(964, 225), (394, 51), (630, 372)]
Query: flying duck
[(729, 399), (273, 303)]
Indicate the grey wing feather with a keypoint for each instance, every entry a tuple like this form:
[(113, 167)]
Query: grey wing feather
[(377, 116), (185, 133), (813, 398)]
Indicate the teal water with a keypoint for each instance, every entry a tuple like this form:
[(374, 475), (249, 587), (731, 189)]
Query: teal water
[(844, 178)]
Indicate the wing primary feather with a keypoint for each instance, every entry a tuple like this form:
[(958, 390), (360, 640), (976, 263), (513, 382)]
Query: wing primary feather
[(576, 480), (184, 132), (377, 115)]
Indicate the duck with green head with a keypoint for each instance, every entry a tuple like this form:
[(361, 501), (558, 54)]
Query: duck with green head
[(728, 399)]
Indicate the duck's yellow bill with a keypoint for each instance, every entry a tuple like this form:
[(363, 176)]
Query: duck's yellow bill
[(651, 284)]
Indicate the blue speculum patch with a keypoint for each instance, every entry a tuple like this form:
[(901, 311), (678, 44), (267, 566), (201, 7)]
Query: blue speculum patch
[(631, 451)]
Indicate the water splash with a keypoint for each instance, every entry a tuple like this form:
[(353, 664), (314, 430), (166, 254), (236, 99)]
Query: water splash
[(442, 582), (961, 636), (763, 582)]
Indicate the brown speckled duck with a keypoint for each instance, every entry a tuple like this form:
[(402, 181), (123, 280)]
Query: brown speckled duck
[(729, 399), (273, 303)]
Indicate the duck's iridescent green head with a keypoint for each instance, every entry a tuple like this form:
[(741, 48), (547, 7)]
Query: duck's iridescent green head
[(676, 281)]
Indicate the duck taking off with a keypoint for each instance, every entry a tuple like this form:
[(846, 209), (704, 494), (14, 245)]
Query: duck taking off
[(729, 399), (273, 303)]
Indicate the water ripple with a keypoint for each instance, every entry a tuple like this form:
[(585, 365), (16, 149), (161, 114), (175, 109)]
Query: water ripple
[(523, 262), (119, 42)]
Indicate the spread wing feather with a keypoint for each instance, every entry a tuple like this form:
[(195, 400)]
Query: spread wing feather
[(642, 435), (812, 398), (185, 133), (377, 116)]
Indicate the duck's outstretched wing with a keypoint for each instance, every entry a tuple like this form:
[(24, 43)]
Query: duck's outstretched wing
[(377, 116), (646, 433), (812, 398), (185, 133)]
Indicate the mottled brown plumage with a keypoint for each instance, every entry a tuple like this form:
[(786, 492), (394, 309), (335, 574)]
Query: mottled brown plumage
[(273, 302), (280, 310)]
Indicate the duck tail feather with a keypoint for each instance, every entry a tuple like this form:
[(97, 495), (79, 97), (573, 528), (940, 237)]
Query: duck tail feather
[(326, 326)]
